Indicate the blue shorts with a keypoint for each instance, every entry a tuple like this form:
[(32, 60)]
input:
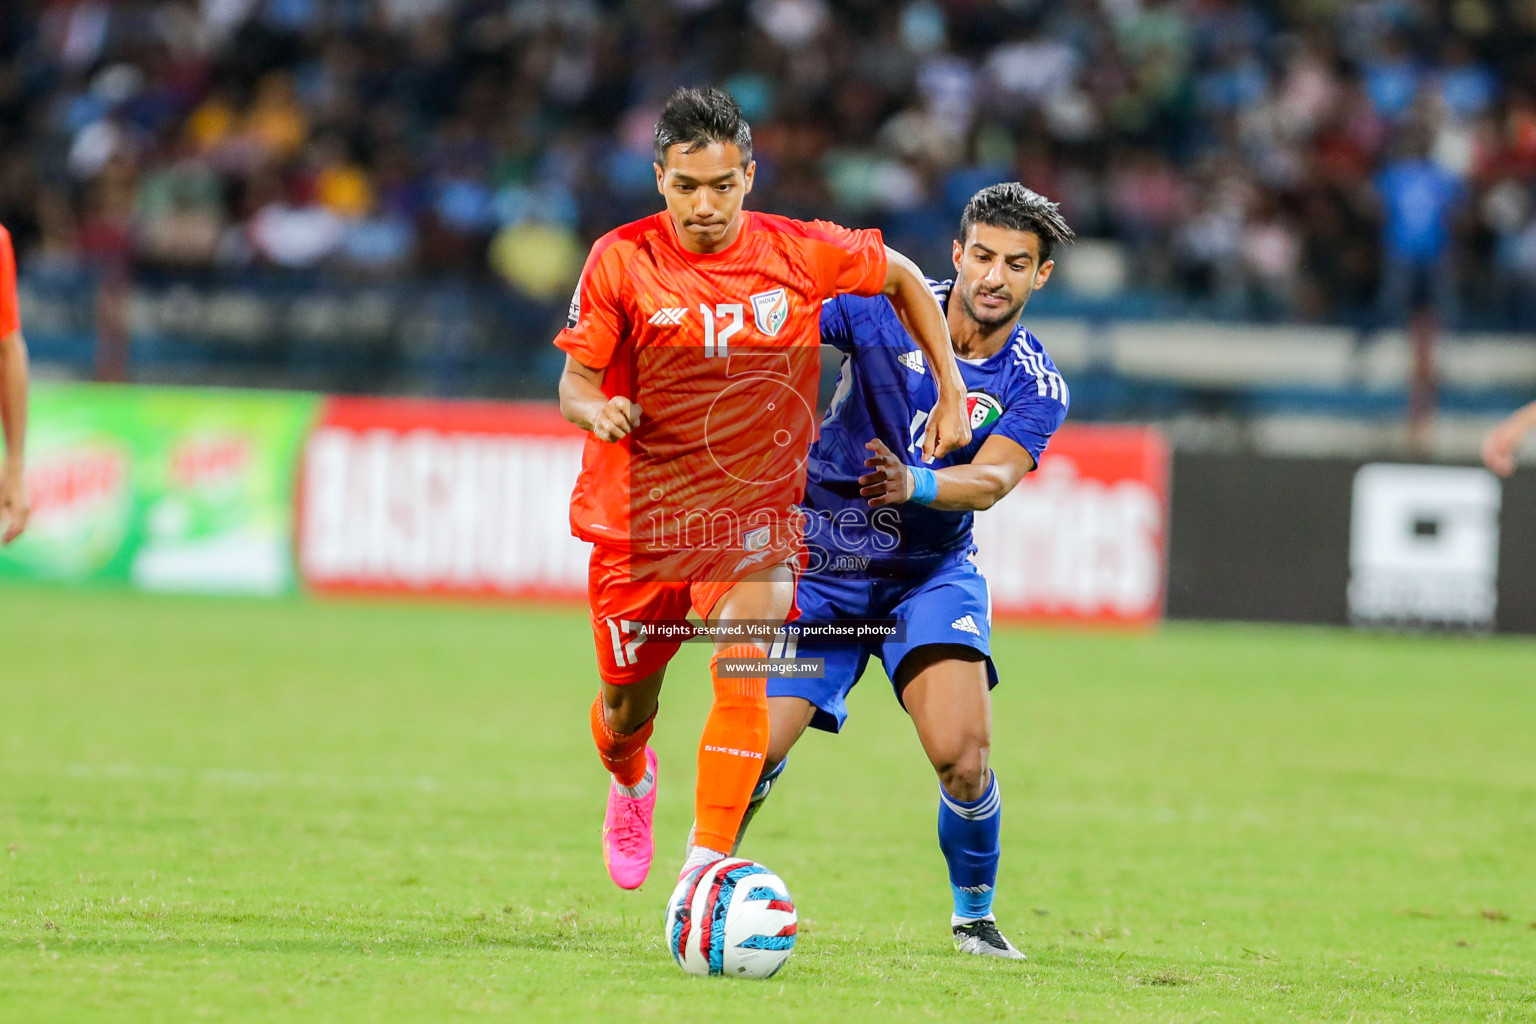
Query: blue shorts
[(951, 605)]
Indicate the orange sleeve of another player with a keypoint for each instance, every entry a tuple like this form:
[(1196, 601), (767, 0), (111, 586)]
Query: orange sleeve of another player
[(10, 315), (844, 260), (596, 321)]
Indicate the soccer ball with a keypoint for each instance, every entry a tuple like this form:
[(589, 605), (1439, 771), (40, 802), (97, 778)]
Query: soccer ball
[(731, 917)]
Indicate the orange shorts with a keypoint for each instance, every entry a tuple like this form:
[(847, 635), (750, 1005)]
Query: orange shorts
[(627, 590)]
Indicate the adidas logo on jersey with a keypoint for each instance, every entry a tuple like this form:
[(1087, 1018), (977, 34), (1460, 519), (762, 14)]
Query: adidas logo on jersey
[(966, 624), (668, 316), (913, 360)]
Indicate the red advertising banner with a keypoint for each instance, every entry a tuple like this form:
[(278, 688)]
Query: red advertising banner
[(467, 499), (472, 499), (1084, 537)]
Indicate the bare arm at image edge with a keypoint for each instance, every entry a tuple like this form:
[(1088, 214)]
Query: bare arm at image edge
[(13, 402), (1503, 441), (13, 415)]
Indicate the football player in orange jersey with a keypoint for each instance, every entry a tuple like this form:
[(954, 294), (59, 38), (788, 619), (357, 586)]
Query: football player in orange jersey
[(13, 400), (692, 357)]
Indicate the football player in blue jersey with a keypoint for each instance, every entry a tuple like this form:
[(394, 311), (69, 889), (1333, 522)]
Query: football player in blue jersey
[(890, 537)]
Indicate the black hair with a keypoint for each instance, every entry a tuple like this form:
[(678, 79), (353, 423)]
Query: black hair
[(1010, 205), (697, 117)]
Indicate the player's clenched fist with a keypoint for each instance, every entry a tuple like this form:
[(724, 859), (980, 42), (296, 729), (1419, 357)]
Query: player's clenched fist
[(617, 417), (948, 428)]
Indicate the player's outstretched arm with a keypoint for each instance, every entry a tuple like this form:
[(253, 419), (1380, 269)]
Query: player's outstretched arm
[(1500, 445), (998, 467), (949, 427), (583, 403), (13, 418)]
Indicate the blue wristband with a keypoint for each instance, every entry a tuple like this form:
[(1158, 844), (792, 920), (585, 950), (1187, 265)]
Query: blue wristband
[(925, 486)]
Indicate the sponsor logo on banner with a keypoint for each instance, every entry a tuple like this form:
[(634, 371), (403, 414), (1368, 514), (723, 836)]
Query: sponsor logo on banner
[(82, 509), (73, 483), (409, 496), (1424, 547), (199, 535), (207, 461), (1083, 538)]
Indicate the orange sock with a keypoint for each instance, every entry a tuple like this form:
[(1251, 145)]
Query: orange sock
[(731, 752), (623, 754)]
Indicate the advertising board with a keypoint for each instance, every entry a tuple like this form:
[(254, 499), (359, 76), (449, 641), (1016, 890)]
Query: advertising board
[(472, 499), (1083, 538), (467, 499), (173, 489)]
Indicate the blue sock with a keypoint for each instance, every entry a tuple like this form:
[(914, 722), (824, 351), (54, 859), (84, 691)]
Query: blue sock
[(970, 836)]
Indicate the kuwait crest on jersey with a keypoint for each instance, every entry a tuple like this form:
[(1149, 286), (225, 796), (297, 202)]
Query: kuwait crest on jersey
[(770, 310), (985, 410)]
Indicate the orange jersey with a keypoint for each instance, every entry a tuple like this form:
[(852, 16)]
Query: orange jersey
[(721, 352), (10, 316)]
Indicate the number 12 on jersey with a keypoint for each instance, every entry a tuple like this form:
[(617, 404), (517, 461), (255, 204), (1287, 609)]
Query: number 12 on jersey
[(716, 337)]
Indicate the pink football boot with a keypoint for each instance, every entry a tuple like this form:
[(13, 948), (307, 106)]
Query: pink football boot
[(628, 843)]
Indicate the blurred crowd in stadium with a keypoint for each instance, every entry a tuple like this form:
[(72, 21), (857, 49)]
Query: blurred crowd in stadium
[(1273, 160)]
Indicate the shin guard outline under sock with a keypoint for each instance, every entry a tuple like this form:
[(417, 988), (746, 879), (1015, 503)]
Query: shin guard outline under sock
[(731, 751)]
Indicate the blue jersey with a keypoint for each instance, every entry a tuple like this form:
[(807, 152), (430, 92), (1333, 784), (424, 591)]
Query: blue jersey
[(884, 390)]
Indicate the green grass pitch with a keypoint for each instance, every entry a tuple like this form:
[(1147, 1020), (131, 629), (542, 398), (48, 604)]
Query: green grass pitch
[(246, 811)]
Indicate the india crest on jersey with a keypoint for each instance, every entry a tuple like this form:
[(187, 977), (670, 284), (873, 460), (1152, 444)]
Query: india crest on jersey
[(770, 310), (985, 410)]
